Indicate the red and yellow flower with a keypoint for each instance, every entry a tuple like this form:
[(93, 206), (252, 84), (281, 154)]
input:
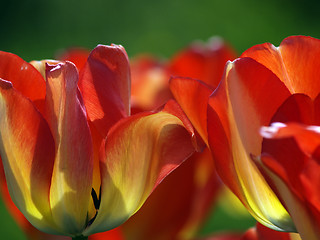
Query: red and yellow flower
[(75, 161), (189, 192)]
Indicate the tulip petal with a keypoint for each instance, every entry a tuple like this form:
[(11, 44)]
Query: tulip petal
[(288, 162), (246, 99), (185, 91), (297, 208), (24, 77), (295, 62), (27, 152), (139, 152), (187, 195), (71, 186), (105, 86)]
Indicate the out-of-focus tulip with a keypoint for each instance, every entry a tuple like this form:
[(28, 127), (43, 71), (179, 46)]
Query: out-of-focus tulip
[(203, 61), (251, 91), (76, 162)]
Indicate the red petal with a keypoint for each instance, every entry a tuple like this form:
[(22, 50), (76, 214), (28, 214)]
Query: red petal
[(239, 106), (249, 104), (27, 152), (193, 96), (24, 77), (70, 193), (105, 85), (293, 173)]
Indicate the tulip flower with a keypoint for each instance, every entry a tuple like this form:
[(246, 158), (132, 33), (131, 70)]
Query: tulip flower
[(75, 161), (251, 91)]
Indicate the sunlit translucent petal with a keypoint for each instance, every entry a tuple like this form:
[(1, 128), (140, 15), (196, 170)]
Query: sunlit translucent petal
[(138, 153), (193, 96), (27, 152), (246, 99), (105, 86), (70, 191)]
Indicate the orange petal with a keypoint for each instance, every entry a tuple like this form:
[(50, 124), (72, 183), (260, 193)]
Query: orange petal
[(247, 97), (193, 96), (71, 185), (138, 154), (286, 62), (105, 86), (27, 152), (24, 77)]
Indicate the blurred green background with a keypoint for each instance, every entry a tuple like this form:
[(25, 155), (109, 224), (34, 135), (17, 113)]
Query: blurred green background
[(38, 29)]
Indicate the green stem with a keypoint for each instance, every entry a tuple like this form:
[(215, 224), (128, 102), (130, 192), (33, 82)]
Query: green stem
[(80, 238)]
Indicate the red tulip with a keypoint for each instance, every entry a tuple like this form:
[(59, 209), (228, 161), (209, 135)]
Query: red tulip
[(75, 161), (251, 92), (188, 193)]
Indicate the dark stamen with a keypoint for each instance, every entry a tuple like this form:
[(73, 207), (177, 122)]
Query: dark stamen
[(96, 200)]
